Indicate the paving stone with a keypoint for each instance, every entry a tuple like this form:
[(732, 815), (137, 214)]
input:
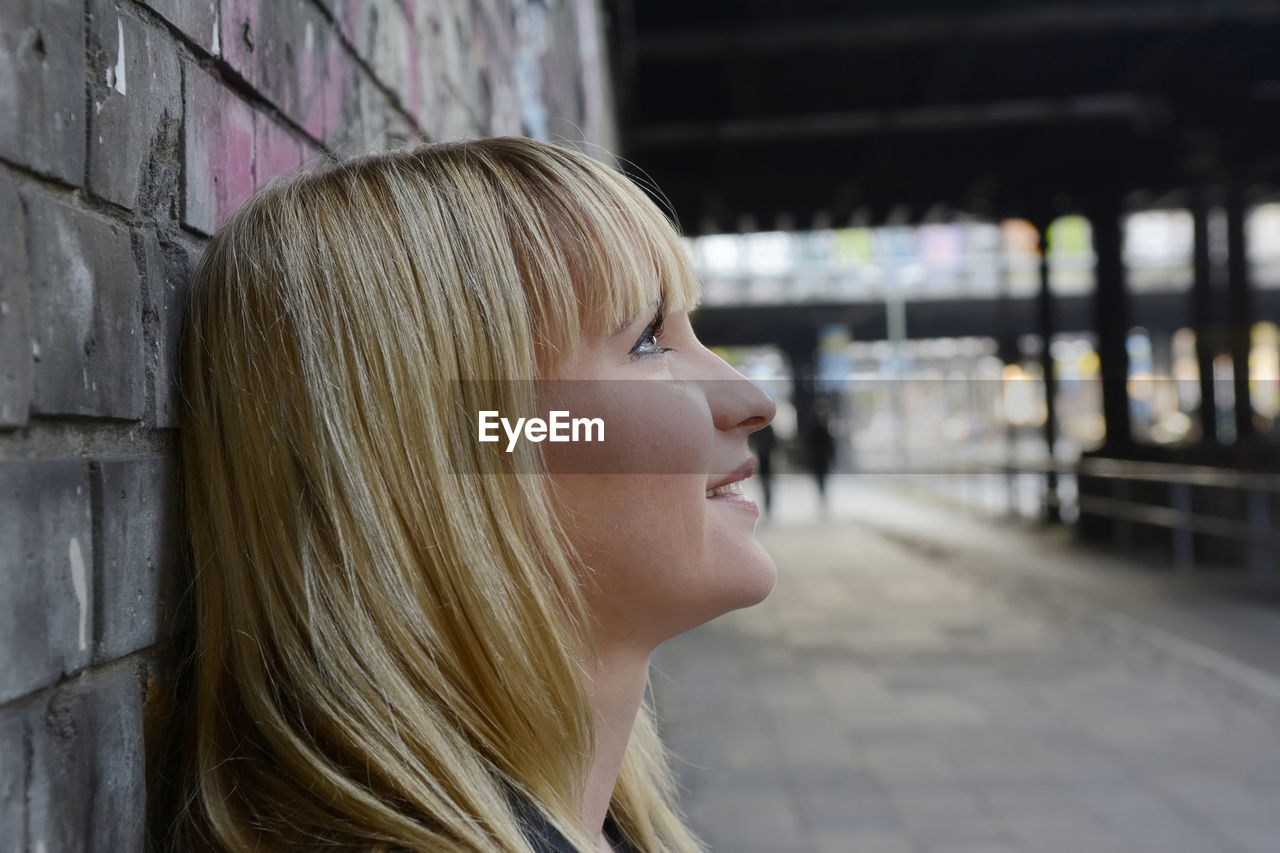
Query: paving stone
[(871, 841), (977, 721)]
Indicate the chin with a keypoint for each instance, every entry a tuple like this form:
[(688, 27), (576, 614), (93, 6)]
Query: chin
[(759, 585), (759, 576), (750, 575)]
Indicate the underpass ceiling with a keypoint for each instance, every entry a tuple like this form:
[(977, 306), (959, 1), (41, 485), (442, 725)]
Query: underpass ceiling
[(903, 110)]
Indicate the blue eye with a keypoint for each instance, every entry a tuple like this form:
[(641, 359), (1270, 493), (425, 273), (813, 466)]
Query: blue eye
[(649, 342)]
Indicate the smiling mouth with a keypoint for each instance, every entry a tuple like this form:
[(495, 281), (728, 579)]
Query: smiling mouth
[(734, 488)]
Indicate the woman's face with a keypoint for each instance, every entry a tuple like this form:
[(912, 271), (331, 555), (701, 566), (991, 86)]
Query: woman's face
[(665, 551)]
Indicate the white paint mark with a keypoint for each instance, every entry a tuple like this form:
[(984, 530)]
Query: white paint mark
[(81, 585), (119, 69), (217, 25), (41, 846), (76, 283), (308, 39)]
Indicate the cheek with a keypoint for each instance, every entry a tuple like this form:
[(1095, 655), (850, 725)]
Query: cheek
[(650, 428), (640, 491), (634, 506), (644, 538)]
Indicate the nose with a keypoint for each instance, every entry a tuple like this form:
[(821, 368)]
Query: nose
[(736, 402)]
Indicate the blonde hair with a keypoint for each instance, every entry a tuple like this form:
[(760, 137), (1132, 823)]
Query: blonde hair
[(387, 643)]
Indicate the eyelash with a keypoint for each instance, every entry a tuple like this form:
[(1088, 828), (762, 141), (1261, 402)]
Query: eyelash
[(652, 332)]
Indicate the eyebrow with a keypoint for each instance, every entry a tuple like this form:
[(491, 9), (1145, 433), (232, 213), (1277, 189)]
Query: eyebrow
[(657, 305)]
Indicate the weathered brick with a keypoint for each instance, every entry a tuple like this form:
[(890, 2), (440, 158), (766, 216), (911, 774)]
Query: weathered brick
[(290, 68), (502, 48), (459, 68), (218, 162), (341, 97), (381, 125), (370, 122), (449, 86), (426, 18), (136, 92), (562, 91), (197, 19), (42, 86), (239, 35), (86, 789), (135, 556), (276, 150), (598, 124), (85, 313), (358, 115), (168, 260), (46, 564), (15, 325), (383, 36), (100, 305), (280, 48), (13, 779), (517, 101)]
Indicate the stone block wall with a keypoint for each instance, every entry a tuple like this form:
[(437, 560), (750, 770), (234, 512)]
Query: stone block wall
[(129, 130)]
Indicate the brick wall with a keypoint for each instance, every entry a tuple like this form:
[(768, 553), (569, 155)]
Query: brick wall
[(129, 129)]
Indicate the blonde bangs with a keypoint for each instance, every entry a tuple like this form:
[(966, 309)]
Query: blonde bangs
[(594, 252)]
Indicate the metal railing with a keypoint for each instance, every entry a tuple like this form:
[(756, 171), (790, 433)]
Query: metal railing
[(1254, 528)]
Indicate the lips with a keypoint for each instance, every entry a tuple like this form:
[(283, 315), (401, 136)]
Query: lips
[(731, 483)]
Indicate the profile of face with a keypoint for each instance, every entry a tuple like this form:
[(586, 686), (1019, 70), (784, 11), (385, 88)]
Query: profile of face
[(667, 546)]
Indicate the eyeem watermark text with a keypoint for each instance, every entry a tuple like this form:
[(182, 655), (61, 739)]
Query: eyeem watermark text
[(558, 427)]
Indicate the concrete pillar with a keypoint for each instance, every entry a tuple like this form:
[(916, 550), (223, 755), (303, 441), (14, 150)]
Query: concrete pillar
[(1045, 326), (1240, 311), (1008, 354), (1111, 321), (1202, 316)]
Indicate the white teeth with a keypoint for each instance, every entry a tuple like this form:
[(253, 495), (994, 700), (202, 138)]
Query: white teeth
[(730, 489)]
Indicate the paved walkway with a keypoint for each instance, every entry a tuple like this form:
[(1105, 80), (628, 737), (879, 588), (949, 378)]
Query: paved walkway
[(925, 681)]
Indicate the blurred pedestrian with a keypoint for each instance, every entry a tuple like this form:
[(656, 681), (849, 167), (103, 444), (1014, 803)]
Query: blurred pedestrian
[(764, 442), (820, 445)]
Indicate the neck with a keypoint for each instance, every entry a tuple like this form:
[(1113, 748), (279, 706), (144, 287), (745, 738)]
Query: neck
[(616, 680)]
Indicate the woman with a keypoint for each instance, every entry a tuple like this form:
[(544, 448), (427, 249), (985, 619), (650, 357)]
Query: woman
[(407, 638)]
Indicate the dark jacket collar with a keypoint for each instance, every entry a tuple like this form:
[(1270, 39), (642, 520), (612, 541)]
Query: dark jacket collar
[(545, 838)]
